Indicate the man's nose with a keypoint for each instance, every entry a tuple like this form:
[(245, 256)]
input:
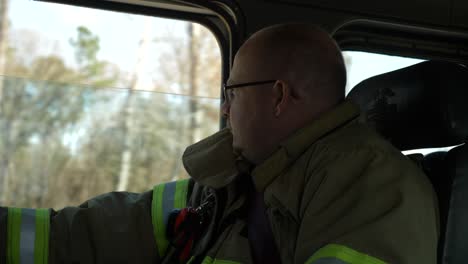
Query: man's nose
[(225, 108)]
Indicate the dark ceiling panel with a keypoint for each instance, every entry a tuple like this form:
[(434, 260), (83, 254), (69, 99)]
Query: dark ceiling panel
[(260, 14), (422, 11), (460, 13), (430, 34)]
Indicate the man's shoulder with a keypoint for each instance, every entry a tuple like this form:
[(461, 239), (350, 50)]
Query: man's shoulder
[(356, 136), (356, 150), (355, 142)]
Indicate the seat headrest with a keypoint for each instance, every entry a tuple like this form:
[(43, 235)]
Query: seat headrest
[(421, 106)]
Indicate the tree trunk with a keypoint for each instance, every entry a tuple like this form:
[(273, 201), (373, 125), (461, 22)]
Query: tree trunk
[(3, 36), (128, 115), (193, 86), (4, 159), (4, 165), (192, 132)]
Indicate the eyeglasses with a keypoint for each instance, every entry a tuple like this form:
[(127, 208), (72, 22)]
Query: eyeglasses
[(226, 88)]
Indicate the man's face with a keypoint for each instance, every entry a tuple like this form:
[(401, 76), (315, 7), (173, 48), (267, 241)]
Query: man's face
[(251, 109)]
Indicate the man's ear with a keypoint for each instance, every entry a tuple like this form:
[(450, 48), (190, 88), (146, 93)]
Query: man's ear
[(282, 92)]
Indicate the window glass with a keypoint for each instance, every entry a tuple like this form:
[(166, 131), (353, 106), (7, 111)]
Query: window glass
[(363, 65), (93, 101), (426, 151)]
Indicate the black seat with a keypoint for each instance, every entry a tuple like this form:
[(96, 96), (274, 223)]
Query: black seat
[(426, 106), (456, 236)]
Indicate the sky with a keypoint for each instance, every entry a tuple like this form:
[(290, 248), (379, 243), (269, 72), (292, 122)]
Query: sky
[(119, 33)]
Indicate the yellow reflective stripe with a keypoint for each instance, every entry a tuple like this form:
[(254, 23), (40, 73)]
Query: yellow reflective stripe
[(191, 259), (334, 251), (41, 243), (210, 260), (220, 261), (13, 235), (207, 260), (180, 200), (166, 198), (158, 224)]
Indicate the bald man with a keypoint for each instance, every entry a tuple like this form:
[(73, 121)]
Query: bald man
[(293, 179), (289, 75)]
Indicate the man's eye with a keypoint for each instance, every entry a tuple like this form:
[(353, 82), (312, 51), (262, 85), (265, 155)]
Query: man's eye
[(231, 94)]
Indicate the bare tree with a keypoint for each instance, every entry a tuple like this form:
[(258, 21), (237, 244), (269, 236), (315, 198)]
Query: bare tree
[(3, 36), (128, 116), (35, 116), (196, 68), (193, 52), (4, 159)]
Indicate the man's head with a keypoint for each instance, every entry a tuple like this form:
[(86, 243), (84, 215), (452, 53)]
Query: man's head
[(310, 79)]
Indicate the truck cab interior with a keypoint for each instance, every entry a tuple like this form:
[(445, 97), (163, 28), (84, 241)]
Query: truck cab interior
[(421, 106)]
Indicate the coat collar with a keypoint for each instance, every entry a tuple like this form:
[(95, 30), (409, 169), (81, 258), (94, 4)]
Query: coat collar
[(212, 161)]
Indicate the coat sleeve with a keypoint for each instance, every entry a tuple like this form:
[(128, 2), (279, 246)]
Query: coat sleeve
[(370, 206), (111, 228)]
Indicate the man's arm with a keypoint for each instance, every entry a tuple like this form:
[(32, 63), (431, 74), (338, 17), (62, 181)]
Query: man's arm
[(111, 228), (117, 227), (371, 207)]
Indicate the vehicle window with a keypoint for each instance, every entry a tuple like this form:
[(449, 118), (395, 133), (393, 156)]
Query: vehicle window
[(93, 101), (426, 151), (363, 65)]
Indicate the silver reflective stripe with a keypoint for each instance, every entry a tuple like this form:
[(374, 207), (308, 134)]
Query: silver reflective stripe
[(168, 200), (329, 261), (27, 236)]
